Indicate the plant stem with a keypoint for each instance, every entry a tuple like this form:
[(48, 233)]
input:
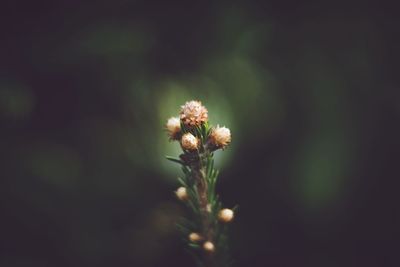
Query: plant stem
[(199, 175)]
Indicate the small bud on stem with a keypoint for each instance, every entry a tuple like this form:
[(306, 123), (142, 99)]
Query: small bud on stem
[(209, 246), (225, 215), (181, 193), (195, 237)]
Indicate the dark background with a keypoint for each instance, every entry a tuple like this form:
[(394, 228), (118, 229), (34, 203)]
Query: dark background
[(309, 90)]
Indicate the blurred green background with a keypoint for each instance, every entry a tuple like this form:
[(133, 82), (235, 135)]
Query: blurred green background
[(310, 92)]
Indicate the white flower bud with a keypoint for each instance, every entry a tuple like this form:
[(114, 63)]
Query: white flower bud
[(195, 237), (220, 136), (189, 142), (181, 193), (173, 127), (225, 215), (193, 113), (209, 246), (208, 208)]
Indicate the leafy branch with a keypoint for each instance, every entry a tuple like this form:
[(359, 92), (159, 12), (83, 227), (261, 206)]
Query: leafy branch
[(205, 232)]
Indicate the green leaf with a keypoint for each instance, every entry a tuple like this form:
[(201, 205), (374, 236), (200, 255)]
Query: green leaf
[(184, 129), (185, 170), (174, 159), (210, 165), (182, 182), (235, 208), (195, 246), (182, 228)]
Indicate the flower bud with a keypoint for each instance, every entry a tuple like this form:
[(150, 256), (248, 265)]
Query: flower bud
[(173, 127), (181, 193), (189, 142), (193, 113), (209, 246), (220, 137), (195, 237), (208, 208), (225, 215)]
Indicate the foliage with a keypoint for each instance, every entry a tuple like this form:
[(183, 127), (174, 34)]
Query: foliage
[(200, 180)]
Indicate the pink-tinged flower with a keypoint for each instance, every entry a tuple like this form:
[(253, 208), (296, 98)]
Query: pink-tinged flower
[(220, 137), (193, 113), (189, 142), (173, 127)]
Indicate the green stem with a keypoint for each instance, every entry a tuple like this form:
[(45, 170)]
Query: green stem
[(199, 175)]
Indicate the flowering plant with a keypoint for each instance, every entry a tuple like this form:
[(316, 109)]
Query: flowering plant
[(205, 230)]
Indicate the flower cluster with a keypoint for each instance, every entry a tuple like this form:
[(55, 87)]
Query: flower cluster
[(199, 140), (193, 115)]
